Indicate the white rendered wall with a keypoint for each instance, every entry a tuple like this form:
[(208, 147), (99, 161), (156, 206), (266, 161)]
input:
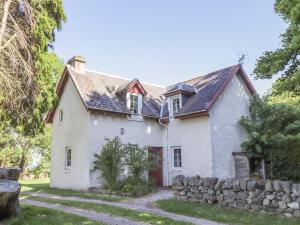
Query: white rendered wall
[(226, 133), (72, 132), (193, 136), (144, 133)]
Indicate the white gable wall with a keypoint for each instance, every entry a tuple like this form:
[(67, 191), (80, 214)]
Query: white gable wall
[(193, 136), (226, 133), (144, 133), (72, 132)]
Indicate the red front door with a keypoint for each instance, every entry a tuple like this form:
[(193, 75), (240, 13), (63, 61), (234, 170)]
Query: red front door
[(157, 173)]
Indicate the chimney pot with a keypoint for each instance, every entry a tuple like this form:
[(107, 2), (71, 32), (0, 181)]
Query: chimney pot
[(78, 63)]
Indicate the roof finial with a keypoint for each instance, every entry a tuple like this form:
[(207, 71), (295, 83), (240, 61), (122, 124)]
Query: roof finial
[(242, 57)]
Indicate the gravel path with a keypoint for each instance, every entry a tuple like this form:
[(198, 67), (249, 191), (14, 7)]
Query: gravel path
[(140, 204), (148, 200), (100, 217)]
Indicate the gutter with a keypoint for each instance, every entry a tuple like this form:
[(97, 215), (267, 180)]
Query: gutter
[(167, 138)]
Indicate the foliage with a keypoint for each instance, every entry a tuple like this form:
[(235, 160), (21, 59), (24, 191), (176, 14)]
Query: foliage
[(21, 151), (274, 132), (138, 161), (110, 162), (27, 31), (137, 187), (117, 157), (284, 60)]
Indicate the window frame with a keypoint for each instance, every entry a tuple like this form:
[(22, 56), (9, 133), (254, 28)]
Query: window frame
[(179, 97), (133, 103), (68, 152), (60, 116), (176, 160)]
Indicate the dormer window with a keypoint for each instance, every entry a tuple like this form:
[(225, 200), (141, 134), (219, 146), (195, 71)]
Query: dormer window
[(134, 104), (176, 104)]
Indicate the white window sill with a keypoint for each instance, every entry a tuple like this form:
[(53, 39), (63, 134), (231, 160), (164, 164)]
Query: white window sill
[(67, 171), (138, 118), (177, 168)]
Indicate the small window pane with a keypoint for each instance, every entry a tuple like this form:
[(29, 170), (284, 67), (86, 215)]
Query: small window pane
[(134, 104), (177, 157), (68, 162), (176, 104), (61, 115)]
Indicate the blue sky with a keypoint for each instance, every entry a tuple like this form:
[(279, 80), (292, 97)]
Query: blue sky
[(168, 41)]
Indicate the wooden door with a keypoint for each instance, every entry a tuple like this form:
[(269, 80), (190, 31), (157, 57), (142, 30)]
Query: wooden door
[(157, 173)]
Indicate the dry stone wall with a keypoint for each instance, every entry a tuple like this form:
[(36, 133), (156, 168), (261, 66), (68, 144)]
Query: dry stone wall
[(271, 196)]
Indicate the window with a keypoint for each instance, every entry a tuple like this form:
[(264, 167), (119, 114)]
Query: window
[(176, 104), (134, 104), (177, 157), (68, 158), (60, 116)]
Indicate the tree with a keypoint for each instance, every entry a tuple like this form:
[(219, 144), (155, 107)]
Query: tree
[(27, 30), (286, 59), (274, 133), (17, 148), (28, 74)]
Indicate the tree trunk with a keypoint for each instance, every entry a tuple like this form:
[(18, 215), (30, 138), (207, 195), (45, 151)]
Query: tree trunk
[(4, 19), (22, 162)]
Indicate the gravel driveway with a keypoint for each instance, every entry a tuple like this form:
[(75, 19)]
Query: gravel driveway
[(143, 204)]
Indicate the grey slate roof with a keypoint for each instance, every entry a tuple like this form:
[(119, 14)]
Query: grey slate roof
[(207, 87), (99, 92)]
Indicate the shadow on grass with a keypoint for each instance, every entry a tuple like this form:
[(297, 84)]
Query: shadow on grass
[(42, 185)]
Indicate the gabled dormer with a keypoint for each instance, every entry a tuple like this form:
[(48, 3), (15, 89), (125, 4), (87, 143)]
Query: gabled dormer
[(177, 95), (133, 93)]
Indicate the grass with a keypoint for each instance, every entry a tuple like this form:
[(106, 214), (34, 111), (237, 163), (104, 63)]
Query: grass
[(42, 185), (114, 210), (223, 215), (32, 215)]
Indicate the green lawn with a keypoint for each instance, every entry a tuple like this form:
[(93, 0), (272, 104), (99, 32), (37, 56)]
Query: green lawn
[(113, 210), (42, 185), (223, 215), (32, 215)]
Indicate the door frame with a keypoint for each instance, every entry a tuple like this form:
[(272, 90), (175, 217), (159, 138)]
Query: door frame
[(160, 177)]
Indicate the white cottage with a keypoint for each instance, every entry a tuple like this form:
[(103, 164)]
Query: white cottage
[(192, 125)]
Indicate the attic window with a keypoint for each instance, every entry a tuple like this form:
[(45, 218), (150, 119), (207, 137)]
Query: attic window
[(134, 103), (176, 104)]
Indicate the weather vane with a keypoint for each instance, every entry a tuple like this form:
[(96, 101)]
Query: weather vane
[(242, 57)]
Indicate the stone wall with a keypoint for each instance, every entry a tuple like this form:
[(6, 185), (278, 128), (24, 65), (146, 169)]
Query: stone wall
[(270, 196)]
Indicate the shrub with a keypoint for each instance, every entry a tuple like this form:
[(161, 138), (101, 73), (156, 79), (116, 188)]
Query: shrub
[(274, 132), (138, 161), (137, 187), (110, 162)]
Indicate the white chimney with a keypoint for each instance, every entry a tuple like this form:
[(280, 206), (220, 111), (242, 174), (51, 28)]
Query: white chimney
[(78, 63)]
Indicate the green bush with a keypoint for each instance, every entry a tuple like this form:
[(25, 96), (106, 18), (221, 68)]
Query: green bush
[(137, 187), (115, 157), (110, 162), (138, 161), (274, 132)]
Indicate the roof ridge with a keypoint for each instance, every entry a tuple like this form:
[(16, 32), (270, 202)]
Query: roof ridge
[(211, 73), (124, 78)]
